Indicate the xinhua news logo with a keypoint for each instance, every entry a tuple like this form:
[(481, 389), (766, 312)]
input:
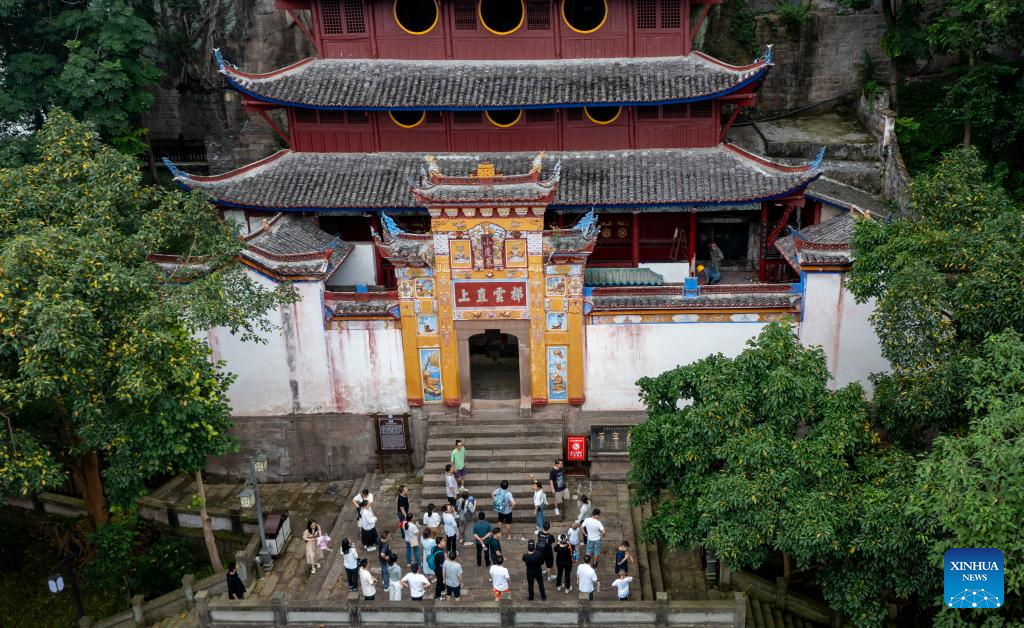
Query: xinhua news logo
[(973, 578)]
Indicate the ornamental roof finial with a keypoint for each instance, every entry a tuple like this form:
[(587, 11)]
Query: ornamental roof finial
[(433, 170), (767, 56), (818, 159), (219, 59), (538, 162), (175, 172), (389, 226)]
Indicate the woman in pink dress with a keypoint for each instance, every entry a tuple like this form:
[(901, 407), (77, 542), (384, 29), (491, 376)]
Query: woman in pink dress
[(314, 554)]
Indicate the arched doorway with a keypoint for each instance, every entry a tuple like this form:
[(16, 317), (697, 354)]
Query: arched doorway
[(494, 366)]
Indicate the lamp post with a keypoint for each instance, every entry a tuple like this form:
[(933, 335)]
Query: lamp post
[(251, 497), (56, 583)]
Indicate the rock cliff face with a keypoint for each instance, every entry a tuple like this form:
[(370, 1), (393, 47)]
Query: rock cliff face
[(814, 61), (192, 106)]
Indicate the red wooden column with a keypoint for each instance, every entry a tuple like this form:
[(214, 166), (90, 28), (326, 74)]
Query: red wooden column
[(636, 239), (691, 244), (762, 267)]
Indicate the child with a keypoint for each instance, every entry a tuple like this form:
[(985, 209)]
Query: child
[(563, 562), (623, 558), (574, 540), (622, 584)]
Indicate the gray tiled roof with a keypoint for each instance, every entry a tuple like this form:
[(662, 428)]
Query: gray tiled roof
[(622, 277), (833, 233), (687, 178), (414, 84), (672, 302), (286, 242)]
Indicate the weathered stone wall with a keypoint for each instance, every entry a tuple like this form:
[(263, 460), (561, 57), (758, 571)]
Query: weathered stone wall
[(877, 118), (304, 447), (191, 102), (823, 60)]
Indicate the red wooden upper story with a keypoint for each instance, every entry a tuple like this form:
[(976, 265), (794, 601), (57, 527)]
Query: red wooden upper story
[(592, 128), (502, 29)]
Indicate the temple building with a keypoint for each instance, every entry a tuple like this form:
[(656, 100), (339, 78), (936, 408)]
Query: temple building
[(505, 203)]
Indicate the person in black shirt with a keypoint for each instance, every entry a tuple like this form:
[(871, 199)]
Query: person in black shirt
[(546, 547), (563, 560), (534, 561), (403, 503), (236, 588), (556, 478)]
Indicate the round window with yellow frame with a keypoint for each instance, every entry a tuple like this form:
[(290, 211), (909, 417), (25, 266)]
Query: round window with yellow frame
[(501, 17), (602, 115), (416, 17), (504, 118), (585, 16), (407, 119)]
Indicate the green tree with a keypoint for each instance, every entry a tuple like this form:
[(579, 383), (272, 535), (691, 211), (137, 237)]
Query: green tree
[(944, 277), (972, 482), (94, 59), (101, 370), (763, 458)]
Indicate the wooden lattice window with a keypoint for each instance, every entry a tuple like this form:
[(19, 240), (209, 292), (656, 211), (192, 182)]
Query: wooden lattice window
[(465, 15), (332, 117), (306, 116), (467, 117), (574, 114), (355, 22), (330, 17), (647, 14), (358, 117), (433, 117), (538, 16), (701, 109), (673, 111), (647, 113), (670, 13), (540, 115)]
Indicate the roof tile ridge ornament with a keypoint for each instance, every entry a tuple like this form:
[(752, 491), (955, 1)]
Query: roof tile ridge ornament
[(434, 174), (175, 171), (536, 165), (766, 58), (390, 227), (587, 225), (816, 164), (221, 64)]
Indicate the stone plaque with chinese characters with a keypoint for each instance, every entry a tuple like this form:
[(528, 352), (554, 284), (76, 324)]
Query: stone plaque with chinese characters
[(471, 295), (609, 439)]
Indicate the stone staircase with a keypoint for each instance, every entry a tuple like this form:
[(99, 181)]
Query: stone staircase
[(762, 614), (499, 446)]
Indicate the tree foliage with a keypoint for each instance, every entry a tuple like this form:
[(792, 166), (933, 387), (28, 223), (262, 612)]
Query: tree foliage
[(972, 482), (95, 59), (944, 277), (98, 352), (765, 458)]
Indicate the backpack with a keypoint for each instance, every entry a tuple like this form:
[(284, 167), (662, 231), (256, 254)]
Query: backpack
[(542, 542), (430, 559), (500, 503)]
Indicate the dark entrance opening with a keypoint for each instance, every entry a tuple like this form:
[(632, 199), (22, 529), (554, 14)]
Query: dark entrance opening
[(494, 366), (502, 17)]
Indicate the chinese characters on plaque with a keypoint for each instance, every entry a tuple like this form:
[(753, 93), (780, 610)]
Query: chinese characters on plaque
[(609, 439), (489, 294)]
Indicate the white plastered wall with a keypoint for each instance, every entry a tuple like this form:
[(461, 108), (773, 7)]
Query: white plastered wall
[(833, 320), (359, 267), (620, 354), (301, 368)]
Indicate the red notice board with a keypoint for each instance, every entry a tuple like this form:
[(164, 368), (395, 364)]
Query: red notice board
[(576, 448)]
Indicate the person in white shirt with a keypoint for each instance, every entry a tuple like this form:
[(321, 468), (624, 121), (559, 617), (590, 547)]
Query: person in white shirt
[(362, 496), (451, 526), (416, 582), (451, 485), (351, 563), (427, 541), (499, 578), (540, 500), (432, 520), (594, 529), (394, 578), (367, 583), (411, 536), (586, 578), (368, 527), (622, 584)]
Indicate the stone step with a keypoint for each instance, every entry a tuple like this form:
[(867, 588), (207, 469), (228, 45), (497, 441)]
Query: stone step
[(756, 616), (496, 441), (503, 430), (477, 466), (640, 553), (657, 579), (511, 454)]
